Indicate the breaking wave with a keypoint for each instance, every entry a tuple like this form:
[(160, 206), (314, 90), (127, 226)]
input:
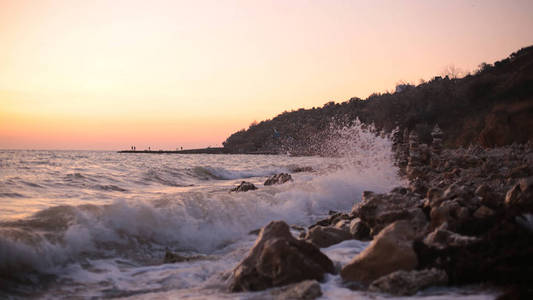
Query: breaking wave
[(199, 220)]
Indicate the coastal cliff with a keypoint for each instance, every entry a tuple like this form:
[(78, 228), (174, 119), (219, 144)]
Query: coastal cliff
[(493, 107)]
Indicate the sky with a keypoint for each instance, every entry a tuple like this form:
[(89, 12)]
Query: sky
[(106, 75)]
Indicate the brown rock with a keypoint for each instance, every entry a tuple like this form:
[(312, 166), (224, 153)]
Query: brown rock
[(278, 179), (488, 196), (380, 210), (521, 194), (322, 236), (442, 238), (408, 283), (171, 258), (483, 212), (451, 212), (359, 230), (343, 224), (277, 259), (305, 290), (244, 186), (390, 251)]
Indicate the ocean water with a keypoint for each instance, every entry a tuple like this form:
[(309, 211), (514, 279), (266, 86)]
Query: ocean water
[(97, 224)]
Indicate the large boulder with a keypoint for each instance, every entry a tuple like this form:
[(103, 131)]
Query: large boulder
[(278, 179), (379, 210), (322, 236), (390, 251), (408, 283), (277, 259)]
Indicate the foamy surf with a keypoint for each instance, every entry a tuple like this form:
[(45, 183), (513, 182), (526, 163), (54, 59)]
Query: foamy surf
[(110, 241)]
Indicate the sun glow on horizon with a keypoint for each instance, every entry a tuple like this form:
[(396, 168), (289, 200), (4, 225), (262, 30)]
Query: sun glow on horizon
[(168, 74)]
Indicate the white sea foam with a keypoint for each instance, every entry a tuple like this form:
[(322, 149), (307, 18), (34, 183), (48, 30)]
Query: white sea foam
[(115, 246)]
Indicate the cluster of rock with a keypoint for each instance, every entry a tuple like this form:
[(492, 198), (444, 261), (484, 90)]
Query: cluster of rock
[(466, 217), (280, 178)]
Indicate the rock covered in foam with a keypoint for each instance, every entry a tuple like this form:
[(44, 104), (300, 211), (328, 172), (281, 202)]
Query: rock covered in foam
[(390, 251), (277, 259)]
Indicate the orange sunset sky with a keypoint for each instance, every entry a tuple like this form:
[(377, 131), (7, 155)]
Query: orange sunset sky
[(111, 74)]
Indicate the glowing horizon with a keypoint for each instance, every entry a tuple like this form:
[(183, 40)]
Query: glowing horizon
[(110, 74)]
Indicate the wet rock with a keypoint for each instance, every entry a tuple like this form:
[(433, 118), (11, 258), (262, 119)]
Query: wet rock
[(390, 251), (171, 257), (322, 236), (277, 259), (333, 219), (302, 169), (244, 186), (278, 179), (404, 283), (359, 230), (442, 238), (305, 290)]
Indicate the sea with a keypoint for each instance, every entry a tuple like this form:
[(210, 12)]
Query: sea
[(97, 224)]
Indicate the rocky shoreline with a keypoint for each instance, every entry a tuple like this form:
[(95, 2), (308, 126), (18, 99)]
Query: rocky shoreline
[(466, 217)]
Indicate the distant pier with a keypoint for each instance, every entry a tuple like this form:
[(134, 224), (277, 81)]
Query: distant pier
[(210, 150)]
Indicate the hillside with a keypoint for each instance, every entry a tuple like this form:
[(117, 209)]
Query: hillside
[(493, 107)]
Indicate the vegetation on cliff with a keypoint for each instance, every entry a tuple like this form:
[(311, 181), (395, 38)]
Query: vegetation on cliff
[(492, 107)]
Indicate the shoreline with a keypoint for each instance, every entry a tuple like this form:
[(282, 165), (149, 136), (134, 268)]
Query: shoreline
[(215, 150), (466, 217)]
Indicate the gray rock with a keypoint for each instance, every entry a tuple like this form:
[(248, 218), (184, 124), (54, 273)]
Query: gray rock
[(322, 236), (404, 283)]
